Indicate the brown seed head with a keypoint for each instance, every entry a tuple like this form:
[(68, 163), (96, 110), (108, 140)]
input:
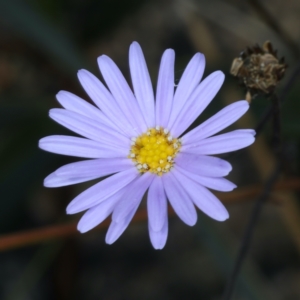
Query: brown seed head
[(258, 69)]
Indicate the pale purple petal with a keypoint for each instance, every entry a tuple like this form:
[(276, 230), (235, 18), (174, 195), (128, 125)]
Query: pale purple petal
[(157, 205), (215, 183), (89, 128), (95, 167), (179, 199), (117, 228), (159, 238), (222, 143), (187, 84), (133, 197), (203, 165), (165, 88), (247, 131), (101, 191), (197, 102), (79, 147), (203, 198), (218, 122), (122, 93), (53, 180), (120, 115), (141, 82), (105, 101), (73, 103), (97, 214)]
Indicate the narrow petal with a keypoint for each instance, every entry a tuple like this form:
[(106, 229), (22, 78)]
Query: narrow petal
[(222, 143), (105, 101), (187, 84), (179, 199), (53, 180), (157, 205), (203, 198), (141, 82), (215, 183), (122, 93), (203, 165), (197, 102), (117, 228), (247, 131), (95, 167), (101, 191), (218, 122), (165, 88), (73, 103), (159, 238), (133, 197), (89, 128), (97, 214), (79, 147)]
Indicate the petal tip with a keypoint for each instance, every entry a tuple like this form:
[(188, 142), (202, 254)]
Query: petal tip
[(81, 73), (109, 240), (223, 216), (46, 182), (158, 247), (81, 228), (220, 75), (200, 56), (191, 222), (41, 143), (60, 94), (71, 209), (228, 166), (103, 58), (135, 44), (245, 102)]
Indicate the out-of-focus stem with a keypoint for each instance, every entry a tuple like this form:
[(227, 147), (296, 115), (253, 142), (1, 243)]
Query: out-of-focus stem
[(273, 23), (249, 233), (35, 236), (276, 125)]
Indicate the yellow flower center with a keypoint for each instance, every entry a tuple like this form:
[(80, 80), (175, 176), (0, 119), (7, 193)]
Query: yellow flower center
[(154, 151)]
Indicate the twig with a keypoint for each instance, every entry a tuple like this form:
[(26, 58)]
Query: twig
[(270, 110), (276, 125), (249, 233), (35, 236), (47, 233), (273, 23)]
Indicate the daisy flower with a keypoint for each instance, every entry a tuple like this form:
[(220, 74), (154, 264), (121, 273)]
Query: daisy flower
[(136, 139)]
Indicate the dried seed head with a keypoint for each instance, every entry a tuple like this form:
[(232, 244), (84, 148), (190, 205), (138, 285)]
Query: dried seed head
[(258, 69)]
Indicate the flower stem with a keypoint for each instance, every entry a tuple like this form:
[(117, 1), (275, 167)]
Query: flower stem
[(276, 125), (249, 233)]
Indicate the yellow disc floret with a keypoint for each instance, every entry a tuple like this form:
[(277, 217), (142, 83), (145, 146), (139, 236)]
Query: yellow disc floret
[(154, 151)]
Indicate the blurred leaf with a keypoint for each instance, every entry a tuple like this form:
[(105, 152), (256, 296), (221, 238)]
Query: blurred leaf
[(40, 33)]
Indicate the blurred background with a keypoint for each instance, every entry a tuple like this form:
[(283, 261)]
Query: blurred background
[(42, 45)]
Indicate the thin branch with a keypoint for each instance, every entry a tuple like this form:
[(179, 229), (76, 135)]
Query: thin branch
[(270, 110), (276, 125), (35, 236), (255, 190), (273, 23), (249, 233)]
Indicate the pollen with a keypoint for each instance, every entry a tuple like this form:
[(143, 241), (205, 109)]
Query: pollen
[(154, 151)]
